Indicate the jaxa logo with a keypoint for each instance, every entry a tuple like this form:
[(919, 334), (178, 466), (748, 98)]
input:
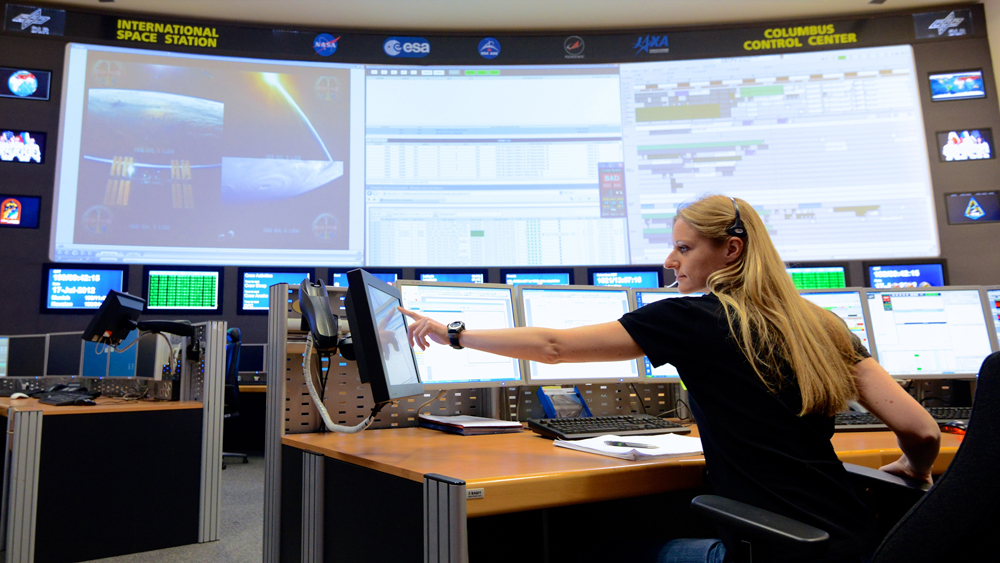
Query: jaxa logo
[(10, 212), (652, 44), (406, 47), (40, 21)]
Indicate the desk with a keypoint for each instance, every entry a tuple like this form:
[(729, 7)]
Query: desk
[(96, 481), (426, 475)]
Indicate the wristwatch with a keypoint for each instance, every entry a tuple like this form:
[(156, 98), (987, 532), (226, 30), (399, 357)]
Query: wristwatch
[(454, 329)]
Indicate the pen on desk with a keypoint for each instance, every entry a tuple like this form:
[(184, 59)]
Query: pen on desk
[(631, 445)]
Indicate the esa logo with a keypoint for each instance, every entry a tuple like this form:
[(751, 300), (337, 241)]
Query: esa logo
[(412, 47)]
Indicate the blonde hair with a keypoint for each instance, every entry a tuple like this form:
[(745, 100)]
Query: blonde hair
[(771, 323)]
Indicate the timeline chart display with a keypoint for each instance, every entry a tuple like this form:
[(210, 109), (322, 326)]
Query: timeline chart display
[(76, 289), (183, 290), (828, 146), (643, 298), (929, 333), (449, 184), (848, 305), (818, 278)]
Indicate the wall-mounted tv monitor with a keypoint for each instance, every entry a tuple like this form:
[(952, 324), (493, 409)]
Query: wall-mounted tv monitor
[(338, 277), (479, 306), (452, 275), (27, 147), (545, 276), (906, 274), (965, 144), (25, 84), (818, 276), (848, 305), (641, 298), (19, 211), (255, 285), (178, 288), (969, 208), (571, 307), (642, 276), (80, 289), (938, 333), (957, 85)]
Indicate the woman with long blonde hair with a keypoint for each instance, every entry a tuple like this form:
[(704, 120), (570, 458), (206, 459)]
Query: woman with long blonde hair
[(765, 369)]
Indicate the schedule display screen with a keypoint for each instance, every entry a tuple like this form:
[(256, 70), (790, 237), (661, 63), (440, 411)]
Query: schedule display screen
[(80, 289)]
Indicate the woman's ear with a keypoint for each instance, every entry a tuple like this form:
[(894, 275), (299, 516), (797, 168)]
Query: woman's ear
[(734, 249)]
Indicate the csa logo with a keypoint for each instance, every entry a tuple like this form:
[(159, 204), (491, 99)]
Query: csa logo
[(489, 48), (325, 44), (573, 46), (410, 47), (10, 212), (651, 44)]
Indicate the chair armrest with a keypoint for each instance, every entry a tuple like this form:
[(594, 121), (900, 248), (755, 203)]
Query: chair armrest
[(750, 522), (866, 476)]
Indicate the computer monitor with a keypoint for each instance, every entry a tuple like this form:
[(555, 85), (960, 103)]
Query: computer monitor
[(79, 289), (26, 355), (64, 353), (640, 298), (625, 276), (338, 278), (570, 307), (480, 306), (452, 275), (385, 360), (253, 358), (19, 211), (255, 284), (818, 276), (904, 274), (4, 346), (972, 207), (992, 295), (965, 144), (934, 333), (956, 85), (100, 360), (115, 319), (187, 289), (848, 305), (546, 276)]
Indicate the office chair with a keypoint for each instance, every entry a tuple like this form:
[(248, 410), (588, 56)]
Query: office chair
[(953, 521), (231, 391)]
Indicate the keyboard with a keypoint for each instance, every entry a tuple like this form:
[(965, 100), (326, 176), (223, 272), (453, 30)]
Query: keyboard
[(945, 414), (591, 427), (856, 420), (65, 399)]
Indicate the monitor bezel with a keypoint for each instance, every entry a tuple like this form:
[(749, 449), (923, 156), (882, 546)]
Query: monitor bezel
[(343, 271), (867, 264), (526, 364), (930, 91), (657, 268), (47, 270), (937, 142), (45, 355), (417, 272), (990, 331), (864, 310), (531, 271), (517, 322), (159, 311), (267, 270), (824, 264), (48, 343)]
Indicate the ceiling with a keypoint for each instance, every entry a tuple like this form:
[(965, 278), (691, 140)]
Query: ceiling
[(500, 15)]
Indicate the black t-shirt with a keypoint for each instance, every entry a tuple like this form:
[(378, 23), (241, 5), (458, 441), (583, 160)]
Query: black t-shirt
[(757, 448)]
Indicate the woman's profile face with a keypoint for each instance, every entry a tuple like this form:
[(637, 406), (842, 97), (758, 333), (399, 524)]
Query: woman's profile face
[(693, 258)]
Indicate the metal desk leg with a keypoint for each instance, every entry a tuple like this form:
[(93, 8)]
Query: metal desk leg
[(25, 435), (313, 477), (445, 533)]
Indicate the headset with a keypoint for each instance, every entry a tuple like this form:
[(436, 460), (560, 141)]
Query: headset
[(737, 230)]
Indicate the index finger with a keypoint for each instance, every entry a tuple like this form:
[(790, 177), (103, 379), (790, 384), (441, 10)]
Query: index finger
[(409, 313)]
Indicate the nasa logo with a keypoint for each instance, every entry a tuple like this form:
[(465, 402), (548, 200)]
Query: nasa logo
[(410, 47), (325, 44), (489, 48), (573, 46)]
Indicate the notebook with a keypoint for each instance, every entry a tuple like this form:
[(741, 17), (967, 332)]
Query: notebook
[(637, 447)]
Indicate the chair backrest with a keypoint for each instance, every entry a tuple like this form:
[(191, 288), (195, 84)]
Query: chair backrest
[(231, 391), (956, 519)]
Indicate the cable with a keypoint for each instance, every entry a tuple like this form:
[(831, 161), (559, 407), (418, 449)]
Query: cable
[(440, 394), (307, 374), (638, 397)]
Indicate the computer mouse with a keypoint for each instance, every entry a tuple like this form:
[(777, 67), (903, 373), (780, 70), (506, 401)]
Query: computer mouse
[(955, 427), (84, 401), (18, 396)]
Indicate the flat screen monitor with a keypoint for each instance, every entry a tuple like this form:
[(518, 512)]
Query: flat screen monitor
[(26, 147), (957, 85), (385, 360), (645, 277), (906, 274), (4, 346), (536, 277), (993, 302), (452, 276), (564, 307), (848, 305), (641, 298), (64, 353), (479, 306), (255, 285), (80, 289), (969, 208), (938, 333), (26, 356), (338, 278), (25, 84), (965, 144), (176, 288), (253, 358), (818, 277), (19, 211), (101, 360)]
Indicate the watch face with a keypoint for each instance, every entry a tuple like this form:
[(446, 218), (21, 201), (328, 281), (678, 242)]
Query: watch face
[(455, 325)]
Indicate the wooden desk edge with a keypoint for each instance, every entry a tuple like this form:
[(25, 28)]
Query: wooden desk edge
[(104, 405)]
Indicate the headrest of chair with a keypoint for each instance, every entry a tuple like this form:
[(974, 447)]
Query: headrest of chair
[(233, 335)]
